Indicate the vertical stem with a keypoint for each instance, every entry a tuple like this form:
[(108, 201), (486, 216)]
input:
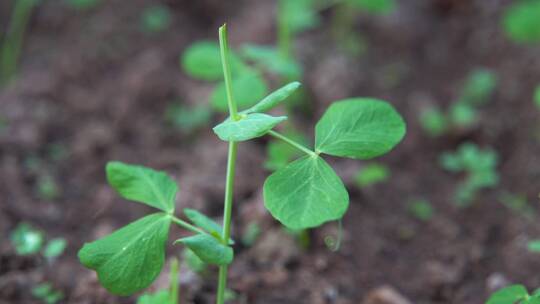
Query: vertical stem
[(231, 162), (174, 282), (284, 31)]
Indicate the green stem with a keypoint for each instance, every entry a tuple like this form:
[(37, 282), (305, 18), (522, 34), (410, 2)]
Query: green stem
[(292, 143), (186, 225), (174, 282), (231, 163), (284, 31)]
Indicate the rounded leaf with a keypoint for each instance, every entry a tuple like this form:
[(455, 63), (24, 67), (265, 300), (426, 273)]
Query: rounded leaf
[(202, 60), (249, 127), (360, 128)]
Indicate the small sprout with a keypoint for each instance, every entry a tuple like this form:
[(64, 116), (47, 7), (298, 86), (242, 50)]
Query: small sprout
[(478, 87), (537, 97), (433, 121), (188, 119), (47, 294), (371, 174), (376, 7), (55, 248), (298, 15), (26, 239), (421, 209), (521, 22), (82, 4), (462, 115), (514, 294), (47, 188), (251, 234), (534, 246), (480, 166), (156, 18)]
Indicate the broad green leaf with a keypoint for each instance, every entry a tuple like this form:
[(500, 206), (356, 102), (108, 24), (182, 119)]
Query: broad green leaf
[(202, 60), (380, 7), (207, 224), (55, 247), (143, 185), (275, 98), (248, 88), (208, 249), (270, 59), (248, 127), (131, 258), (361, 128), (508, 295), (522, 22), (305, 194), (159, 297)]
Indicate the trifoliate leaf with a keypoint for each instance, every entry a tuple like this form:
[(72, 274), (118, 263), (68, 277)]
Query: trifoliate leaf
[(508, 295), (248, 88), (249, 127), (306, 193), (130, 258), (202, 60), (360, 128), (208, 249), (275, 98), (143, 185)]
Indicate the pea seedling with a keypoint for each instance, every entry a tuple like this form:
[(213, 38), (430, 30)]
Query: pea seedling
[(156, 18), (28, 240), (521, 22), (480, 166), (304, 194), (14, 37), (371, 174), (47, 294), (514, 294), (421, 209), (462, 114)]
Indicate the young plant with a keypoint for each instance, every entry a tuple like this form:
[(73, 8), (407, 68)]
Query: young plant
[(10, 50), (518, 203), (421, 209), (521, 22), (156, 18), (28, 240), (480, 166), (371, 174), (306, 193), (46, 293), (514, 294), (462, 114)]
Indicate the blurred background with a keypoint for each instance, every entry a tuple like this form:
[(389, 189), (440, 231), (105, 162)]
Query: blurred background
[(449, 216)]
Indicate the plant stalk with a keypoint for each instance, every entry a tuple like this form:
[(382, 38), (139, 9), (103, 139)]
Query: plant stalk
[(231, 161), (292, 143), (186, 225)]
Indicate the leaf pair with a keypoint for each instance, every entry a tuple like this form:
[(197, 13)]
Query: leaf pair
[(307, 192)]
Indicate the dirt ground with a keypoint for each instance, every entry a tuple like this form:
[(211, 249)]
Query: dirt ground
[(94, 84)]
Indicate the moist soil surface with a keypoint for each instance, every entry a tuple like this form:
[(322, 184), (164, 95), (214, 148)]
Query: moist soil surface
[(92, 87)]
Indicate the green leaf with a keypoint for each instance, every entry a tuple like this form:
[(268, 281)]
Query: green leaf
[(26, 239), (421, 209), (433, 121), (534, 246), (55, 247), (361, 128), (478, 87), (82, 4), (207, 224), (305, 194), (379, 7), (187, 118), (532, 300), (159, 297), (143, 185), (275, 98), (300, 15), (208, 249), (271, 60), (202, 60), (193, 262), (372, 174), (537, 97), (131, 258), (248, 127), (508, 295), (522, 22), (248, 88), (156, 18)]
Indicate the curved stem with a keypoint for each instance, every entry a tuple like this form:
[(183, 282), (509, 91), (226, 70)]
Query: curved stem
[(231, 163), (292, 143)]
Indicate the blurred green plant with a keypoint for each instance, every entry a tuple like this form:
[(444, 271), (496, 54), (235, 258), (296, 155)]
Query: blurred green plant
[(372, 174), (306, 193), (193, 262), (521, 21), (251, 234), (55, 248), (518, 203), (188, 119), (164, 296), (82, 5), (514, 294), (46, 293), (28, 240), (47, 188), (462, 114), (421, 209), (537, 97), (156, 18), (12, 43), (280, 153), (480, 167), (534, 246)]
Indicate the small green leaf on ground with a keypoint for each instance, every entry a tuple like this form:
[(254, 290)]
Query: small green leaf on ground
[(508, 295), (208, 249), (270, 59), (248, 127), (521, 22), (47, 294), (55, 247), (305, 194), (421, 209), (361, 128), (156, 18), (372, 174), (143, 185), (534, 246), (131, 258), (248, 88), (26, 239)]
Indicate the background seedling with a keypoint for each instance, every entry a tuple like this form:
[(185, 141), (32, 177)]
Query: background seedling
[(188, 119), (46, 293), (421, 209), (306, 193), (514, 294), (480, 167), (536, 97), (534, 246), (521, 22), (28, 240), (12, 43), (156, 18), (252, 233), (518, 203), (371, 174), (82, 4)]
